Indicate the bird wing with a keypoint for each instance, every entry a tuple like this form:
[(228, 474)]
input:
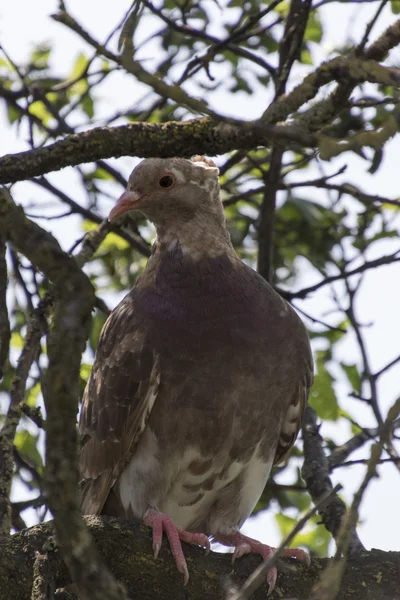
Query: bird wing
[(117, 403), (292, 421), (302, 382)]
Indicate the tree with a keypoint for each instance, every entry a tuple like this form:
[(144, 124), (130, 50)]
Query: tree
[(186, 80)]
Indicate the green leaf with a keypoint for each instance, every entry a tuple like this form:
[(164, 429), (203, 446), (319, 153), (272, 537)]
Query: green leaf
[(33, 394), (16, 340), (26, 444), (100, 174), (285, 523), (322, 397), (332, 335), (316, 539), (240, 85), (312, 212), (4, 63), (80, 66), (308, 229), (305, 57), (313, 31), (39, 110), (78, 70), (97, 325), (114, 241), (87, 105), (395, 5), (40, 57), (353, 376), (88, 225), (300, 500), (85, 371), (13, 114)]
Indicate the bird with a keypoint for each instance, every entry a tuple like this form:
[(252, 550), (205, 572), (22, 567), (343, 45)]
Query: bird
[(200, 379)]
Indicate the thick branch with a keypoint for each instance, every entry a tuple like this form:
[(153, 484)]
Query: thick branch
[(66, 341), (147, 139), (127, 550), (324, 111), (351, 70), (200, 135), (389, 39), (5, 332)]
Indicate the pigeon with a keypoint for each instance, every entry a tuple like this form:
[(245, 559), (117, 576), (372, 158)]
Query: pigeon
[(201, 376)]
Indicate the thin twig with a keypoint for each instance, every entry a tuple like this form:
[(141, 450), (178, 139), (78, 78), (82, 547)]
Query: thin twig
[(384, 260), (364, 461), (387, 367), (369, 27)]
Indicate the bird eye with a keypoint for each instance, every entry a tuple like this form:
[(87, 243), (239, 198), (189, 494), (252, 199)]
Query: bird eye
[(166, 181)]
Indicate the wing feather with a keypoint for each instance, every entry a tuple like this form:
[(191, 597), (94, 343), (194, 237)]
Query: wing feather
[(117, 403), (293, 418)]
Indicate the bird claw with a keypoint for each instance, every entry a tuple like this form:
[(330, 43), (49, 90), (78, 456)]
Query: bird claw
[(184, 570), (271, 579), (241, 550), (156, 549), (245, 545), (163, 523), (298, 554)]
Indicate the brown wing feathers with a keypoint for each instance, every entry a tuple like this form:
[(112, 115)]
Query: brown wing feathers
[(116, 405)]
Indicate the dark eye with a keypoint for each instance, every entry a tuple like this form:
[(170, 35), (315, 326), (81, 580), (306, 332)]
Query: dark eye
[(166, 181)]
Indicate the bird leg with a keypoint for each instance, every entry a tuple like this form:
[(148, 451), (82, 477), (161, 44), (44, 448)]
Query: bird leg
[(246, 545), (160, 522)]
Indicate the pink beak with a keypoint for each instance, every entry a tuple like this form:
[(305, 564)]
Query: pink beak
[(128, 201)]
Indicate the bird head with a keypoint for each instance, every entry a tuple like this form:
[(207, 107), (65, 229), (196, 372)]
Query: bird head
[(165, 189)]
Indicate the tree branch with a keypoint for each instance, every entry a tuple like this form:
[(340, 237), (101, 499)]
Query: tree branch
[(126, 548), (8, 431), (350, 69), (324, 111), (289, 50), (315, 472), (66, 341), (384, 260), (147, 139), (5, 332), (331, 578)]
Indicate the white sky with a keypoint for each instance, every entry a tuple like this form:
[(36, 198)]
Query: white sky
[(24, 23)]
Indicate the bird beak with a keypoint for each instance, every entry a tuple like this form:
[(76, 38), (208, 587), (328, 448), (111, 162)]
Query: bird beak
[(128, 201)]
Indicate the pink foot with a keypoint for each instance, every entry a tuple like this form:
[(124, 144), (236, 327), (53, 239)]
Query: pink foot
[(161, 522), (246, 545)]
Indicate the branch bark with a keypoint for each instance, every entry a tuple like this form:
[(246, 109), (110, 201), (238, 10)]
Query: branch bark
[(202, 135), (74, 300), (5, 332), (289, 50), (315, 472), (127, 550)]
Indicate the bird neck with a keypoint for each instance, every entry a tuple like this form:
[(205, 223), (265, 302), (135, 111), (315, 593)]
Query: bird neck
[(198, 238)]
